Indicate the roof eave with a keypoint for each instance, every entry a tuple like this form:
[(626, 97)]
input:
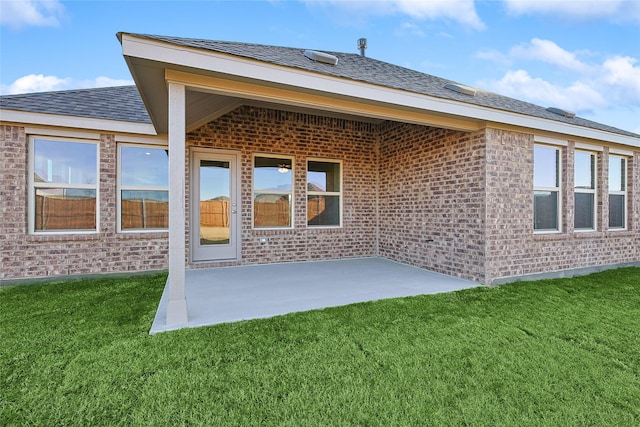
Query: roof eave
[(207, 63), (87, 123)]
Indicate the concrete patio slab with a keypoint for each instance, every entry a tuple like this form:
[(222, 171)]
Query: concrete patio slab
[(231, 294)]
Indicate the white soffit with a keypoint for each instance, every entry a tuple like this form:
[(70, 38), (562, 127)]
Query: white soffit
[(62, 121), (271, 74)]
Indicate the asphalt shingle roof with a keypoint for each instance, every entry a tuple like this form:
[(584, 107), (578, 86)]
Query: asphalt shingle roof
[(124, 103), (110, 103), (355, 67)]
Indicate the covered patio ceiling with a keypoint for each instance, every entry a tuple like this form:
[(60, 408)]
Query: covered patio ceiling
[(203, 107)]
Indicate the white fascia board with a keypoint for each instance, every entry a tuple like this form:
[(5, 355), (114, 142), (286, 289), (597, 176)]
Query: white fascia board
[(275, 74), (43, 119)]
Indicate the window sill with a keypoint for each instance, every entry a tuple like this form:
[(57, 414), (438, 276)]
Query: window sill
[(619, 233), (328, 228), (62, 237), (586, 234), (139, 234), (549, 235), (272, 231)]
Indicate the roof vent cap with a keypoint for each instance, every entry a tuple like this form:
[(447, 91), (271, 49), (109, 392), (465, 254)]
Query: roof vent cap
[(465, 90), (321, 57), (561, 112), (362, 45)]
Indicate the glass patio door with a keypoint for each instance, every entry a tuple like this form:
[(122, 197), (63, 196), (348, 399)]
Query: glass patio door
[(214, 206)]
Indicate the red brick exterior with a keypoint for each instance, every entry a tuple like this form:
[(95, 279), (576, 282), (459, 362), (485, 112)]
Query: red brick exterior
[(27, 256), (260, 131), (459, 203), (432, 199), (514, 250)]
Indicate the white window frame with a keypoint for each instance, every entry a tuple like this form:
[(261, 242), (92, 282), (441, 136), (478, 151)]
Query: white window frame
[(325, 193), (31, 199), (623, 193), (277, 192), (594, 191), (557, 189), (120, 188)]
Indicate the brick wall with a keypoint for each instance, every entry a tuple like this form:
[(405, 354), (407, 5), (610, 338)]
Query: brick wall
[(432, 204), (250, 131), (27, 256), (512, 247), (454, 202)]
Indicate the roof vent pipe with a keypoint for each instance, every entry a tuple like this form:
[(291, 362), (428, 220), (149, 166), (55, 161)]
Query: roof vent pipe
[(362, 45)]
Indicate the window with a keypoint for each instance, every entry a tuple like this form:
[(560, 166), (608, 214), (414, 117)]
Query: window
[(63, 185), (546, 191), (272, 192), (143, 179), (617, 192), (324, 197), (584, 190)]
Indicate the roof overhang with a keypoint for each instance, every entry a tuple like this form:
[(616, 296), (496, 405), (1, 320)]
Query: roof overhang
[(217, 83), (75, 122)]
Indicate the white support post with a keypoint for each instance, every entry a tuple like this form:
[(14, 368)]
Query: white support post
[(177, 304)]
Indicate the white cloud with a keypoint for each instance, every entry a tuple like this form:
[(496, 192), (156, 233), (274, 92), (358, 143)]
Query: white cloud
[(42, 83), (622, 74), (493, 56), (460, 11), (411, 29), (616, 10), (17, 14), (611, 84), (549, 52), (577, 96)]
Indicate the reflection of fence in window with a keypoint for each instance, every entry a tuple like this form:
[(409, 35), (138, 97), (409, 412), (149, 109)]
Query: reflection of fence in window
[(65, 213), (143, 213), (270, 213), (315, 207), (214, 213)]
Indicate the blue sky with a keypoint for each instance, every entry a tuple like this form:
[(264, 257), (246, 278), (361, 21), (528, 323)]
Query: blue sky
[(580, 55)]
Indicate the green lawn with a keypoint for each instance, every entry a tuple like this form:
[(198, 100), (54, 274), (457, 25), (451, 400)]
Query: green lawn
[(557, 352)]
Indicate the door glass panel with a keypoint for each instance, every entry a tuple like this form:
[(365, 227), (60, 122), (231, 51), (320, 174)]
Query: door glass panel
[(215, 209)]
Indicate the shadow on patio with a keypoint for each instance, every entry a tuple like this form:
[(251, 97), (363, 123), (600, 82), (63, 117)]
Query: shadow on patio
[(231, 294)]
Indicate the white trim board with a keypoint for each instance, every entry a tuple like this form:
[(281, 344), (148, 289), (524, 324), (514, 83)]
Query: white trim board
[(58, 120)]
